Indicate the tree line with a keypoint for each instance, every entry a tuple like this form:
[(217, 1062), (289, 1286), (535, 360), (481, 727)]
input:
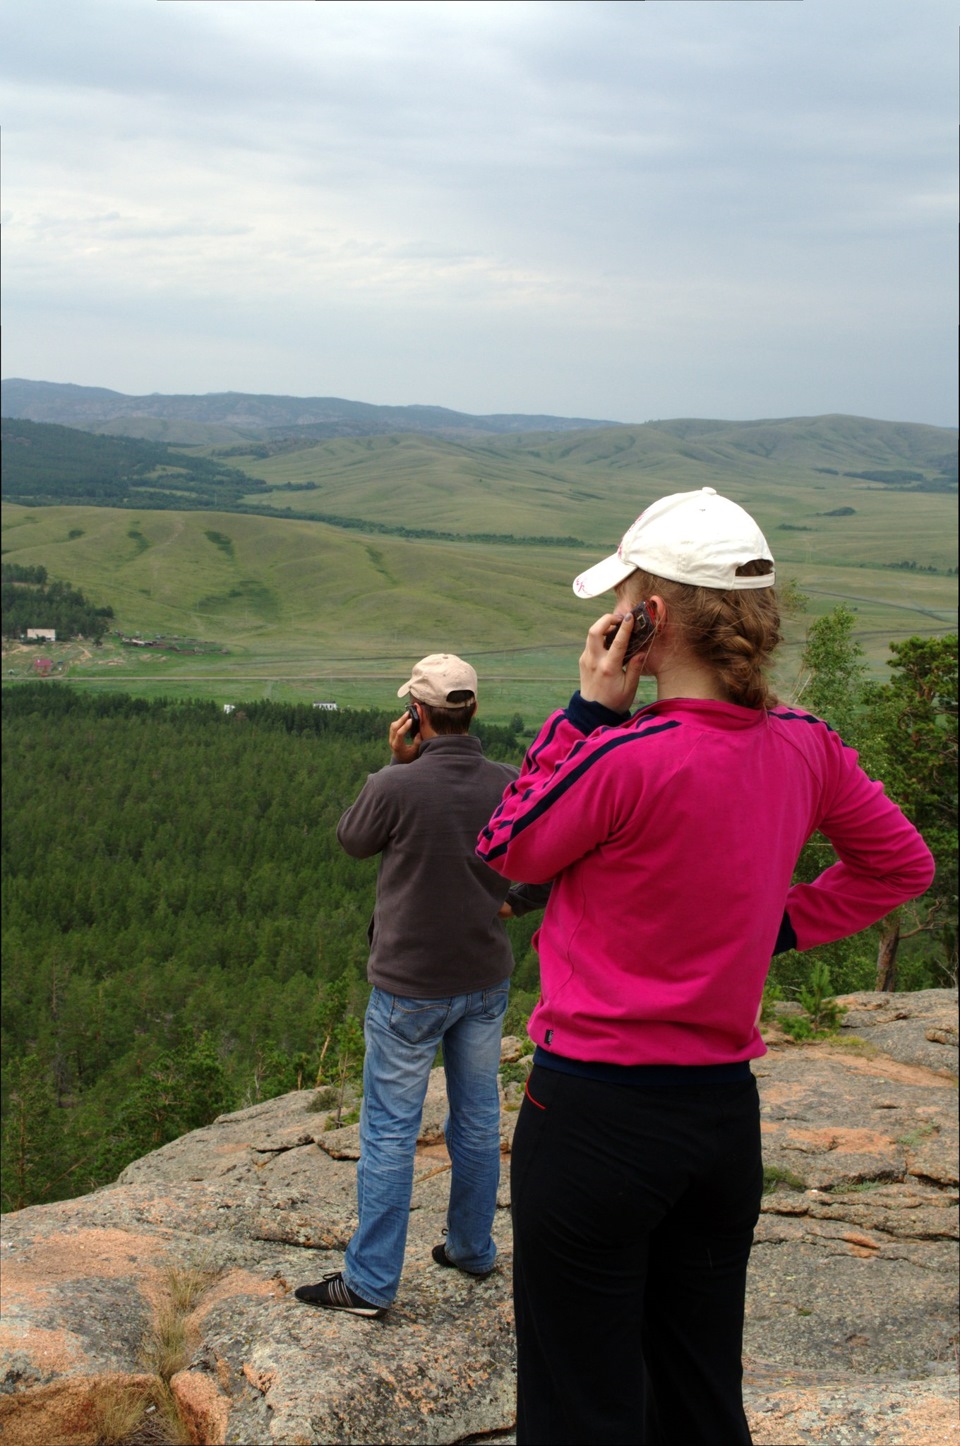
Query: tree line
[(48, 465), (905, 731)]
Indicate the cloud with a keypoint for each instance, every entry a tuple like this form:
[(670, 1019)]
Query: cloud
[(643, 186)]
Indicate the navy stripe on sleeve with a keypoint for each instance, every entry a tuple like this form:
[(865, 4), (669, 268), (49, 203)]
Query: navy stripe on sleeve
[(537, 748), (791, 717), (619, 740)]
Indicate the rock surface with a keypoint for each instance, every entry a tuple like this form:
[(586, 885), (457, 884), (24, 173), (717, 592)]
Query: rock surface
[(851, 1328)]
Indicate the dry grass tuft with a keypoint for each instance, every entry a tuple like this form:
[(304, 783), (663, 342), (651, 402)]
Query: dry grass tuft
[(132, 1414), (117, 1412), (187, 1283), (154, 1419), (166, 1346)]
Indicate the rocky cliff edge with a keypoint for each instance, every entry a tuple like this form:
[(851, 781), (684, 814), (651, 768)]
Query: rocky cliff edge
[(160, 1309)]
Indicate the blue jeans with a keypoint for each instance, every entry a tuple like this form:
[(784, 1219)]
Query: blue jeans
[(402, 1038)]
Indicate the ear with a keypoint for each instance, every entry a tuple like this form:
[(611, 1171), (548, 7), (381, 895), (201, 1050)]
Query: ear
[(657, 608)]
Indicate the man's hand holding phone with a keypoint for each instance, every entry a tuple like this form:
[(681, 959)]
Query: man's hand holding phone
[(405, 735)]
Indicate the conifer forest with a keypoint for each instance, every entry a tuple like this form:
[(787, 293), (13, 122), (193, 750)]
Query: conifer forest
[(182, 932)]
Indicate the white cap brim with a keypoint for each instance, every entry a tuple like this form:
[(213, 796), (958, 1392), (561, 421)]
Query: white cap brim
[(603, 576)]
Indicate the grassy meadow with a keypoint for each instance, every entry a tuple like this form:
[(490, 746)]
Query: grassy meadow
[(591, 485), (303, 610)]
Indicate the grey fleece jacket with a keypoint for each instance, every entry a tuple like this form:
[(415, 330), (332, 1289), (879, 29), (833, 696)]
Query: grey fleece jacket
[(435, 930)]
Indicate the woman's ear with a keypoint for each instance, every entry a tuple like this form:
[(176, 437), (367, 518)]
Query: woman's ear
[(657, 608)]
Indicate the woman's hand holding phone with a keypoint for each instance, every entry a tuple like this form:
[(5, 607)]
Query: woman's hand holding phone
[(606, 675), (644, 630)]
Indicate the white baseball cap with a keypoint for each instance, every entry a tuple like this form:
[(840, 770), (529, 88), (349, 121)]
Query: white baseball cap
[(437, 676), (694, 537)]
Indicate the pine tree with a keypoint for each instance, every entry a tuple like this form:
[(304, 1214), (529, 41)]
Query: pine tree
[(33, 1134)]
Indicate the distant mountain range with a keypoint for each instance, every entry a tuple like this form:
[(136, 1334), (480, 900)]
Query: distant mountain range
[(223, 416)]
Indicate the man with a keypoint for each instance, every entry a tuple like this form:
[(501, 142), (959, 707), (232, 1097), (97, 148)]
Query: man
[(440, 962)]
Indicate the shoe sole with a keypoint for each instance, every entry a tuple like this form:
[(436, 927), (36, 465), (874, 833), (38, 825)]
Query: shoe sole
[(371, 1312)]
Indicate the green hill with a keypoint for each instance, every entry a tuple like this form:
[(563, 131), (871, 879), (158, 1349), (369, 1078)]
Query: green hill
[(591, 484), (380, 557), (796, 473), (45, 463), (305, 610), (297, 586)]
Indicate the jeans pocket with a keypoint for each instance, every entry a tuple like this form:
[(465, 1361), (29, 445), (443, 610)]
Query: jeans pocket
[(494, 1005), (417, 1021)]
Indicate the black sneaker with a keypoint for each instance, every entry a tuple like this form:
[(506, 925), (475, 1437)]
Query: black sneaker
[(441, 1257), (334, 1293)]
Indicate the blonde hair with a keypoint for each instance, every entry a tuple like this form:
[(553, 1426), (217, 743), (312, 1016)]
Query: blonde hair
[(734, 632)]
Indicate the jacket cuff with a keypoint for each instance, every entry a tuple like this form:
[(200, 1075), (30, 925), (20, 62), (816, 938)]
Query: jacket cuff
[(585, 716), (786, 936), (524, 898)]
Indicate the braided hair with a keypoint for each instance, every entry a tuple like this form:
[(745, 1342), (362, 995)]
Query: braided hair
[(734, 632)]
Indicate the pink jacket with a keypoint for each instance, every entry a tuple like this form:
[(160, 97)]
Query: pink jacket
[(672, 838)]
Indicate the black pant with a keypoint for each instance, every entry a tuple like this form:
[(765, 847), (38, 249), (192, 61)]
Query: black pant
[(633, 1216)]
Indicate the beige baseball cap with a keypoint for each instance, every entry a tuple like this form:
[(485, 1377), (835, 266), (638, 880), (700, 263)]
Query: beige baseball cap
[(699, 538), (437, 676)]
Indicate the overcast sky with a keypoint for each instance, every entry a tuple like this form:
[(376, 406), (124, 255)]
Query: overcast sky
[(711, 208)]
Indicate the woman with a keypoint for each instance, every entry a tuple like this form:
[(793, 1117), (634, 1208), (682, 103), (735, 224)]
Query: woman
[(672, 836)]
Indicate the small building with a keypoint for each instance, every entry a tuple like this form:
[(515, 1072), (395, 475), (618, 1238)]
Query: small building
[(43, 666), (41, 635), (330, 707), (229, 707)]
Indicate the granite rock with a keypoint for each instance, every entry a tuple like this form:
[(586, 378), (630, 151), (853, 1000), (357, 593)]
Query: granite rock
[(851, 1315)]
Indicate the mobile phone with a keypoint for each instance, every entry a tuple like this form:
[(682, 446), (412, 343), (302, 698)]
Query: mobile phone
[(414, 717), (644, 628)]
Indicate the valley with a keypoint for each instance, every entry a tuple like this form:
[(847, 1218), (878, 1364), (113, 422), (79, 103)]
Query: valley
[(353, 555)]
